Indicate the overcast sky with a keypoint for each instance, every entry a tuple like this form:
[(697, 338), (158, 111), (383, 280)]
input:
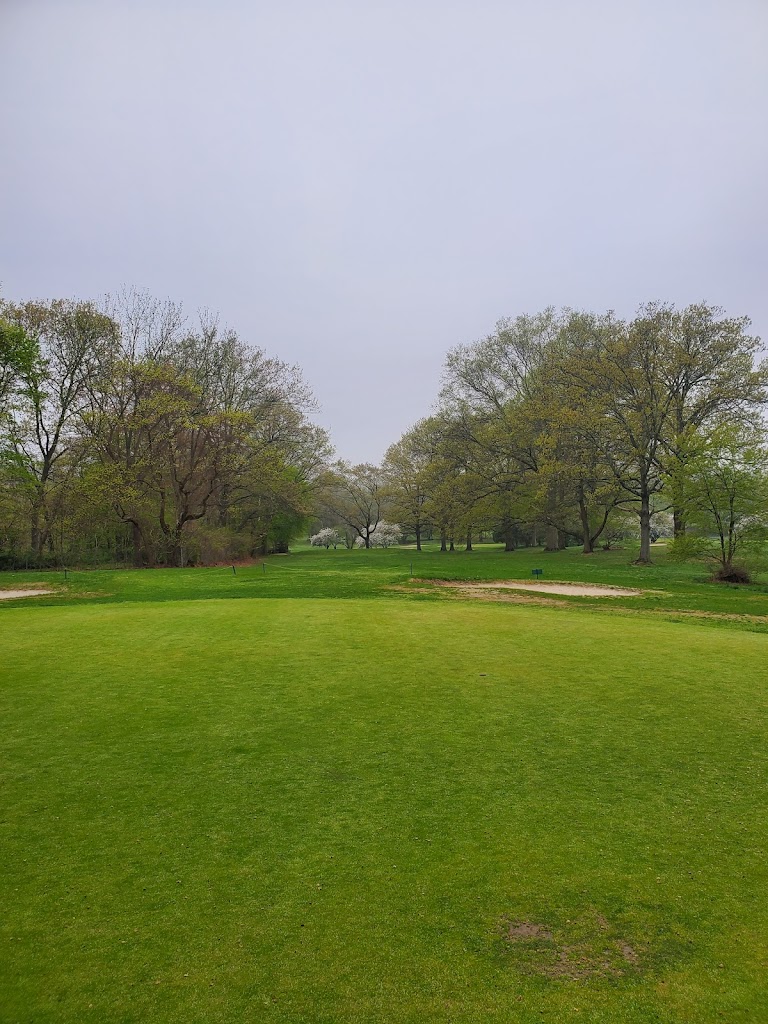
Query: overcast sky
[(358, 186)]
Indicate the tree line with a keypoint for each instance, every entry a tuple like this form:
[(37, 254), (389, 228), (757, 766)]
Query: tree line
[(570, 425), (128, 433)]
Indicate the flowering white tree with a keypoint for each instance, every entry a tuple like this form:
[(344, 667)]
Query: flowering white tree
[(325, 538), (386, 535), (354, 496)]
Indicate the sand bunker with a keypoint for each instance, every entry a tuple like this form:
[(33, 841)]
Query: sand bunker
[(565, 589), (575, 589), (6, 595)]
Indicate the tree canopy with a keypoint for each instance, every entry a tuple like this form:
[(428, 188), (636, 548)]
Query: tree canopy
[(127, 428), (129, 431)]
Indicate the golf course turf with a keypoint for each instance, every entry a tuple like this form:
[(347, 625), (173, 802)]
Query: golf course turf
[(313, 792)]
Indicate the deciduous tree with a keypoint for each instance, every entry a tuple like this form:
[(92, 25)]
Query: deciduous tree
[(722, 488), (356, 497)]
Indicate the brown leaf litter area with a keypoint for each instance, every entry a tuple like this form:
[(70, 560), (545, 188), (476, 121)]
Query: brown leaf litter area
[(589, 947)]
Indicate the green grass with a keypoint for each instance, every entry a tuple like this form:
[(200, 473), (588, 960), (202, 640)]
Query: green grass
[(298, 796), (671, 587)]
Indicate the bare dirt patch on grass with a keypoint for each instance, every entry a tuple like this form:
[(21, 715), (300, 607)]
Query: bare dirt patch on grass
[(587, 947), (526, 930)]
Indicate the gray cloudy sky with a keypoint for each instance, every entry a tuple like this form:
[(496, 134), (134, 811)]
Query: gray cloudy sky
[(358, 186)]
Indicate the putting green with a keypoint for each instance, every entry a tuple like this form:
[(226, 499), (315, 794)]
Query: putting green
[(383, 810)]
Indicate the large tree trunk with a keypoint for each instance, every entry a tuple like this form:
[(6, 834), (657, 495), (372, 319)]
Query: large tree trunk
[(176, 548), (36, 531), (469, 539), (35, 535), (645, 527), (137, 542), (443, 539), (418, 536), (678, 521), (678, 515), (586, 530), (551, 533), (39, 534), (451, 545), (508, 534), (552, 539)]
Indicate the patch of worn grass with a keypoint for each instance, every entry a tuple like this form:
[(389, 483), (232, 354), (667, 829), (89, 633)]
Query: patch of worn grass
[(588, 946), (323, 810)]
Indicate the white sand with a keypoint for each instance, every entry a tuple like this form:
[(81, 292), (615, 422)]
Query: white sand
[(6, 595), (573, 589)]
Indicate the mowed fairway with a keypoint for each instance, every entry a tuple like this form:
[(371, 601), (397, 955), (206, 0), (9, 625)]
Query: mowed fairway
[(392, 809)]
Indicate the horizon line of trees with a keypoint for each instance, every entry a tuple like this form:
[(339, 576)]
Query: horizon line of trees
[(568, 424), (128, 433)]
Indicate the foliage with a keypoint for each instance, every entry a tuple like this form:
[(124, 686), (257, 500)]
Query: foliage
[(124, 426), (19, 355), (573, 421), (412, 472), (135, 424), (722, 488)]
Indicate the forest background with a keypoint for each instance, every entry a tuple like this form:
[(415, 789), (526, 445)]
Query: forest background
[(129, 434)]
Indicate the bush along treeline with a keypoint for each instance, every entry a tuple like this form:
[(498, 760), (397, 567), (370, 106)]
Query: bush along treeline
[(128, 435), (571, 425)]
